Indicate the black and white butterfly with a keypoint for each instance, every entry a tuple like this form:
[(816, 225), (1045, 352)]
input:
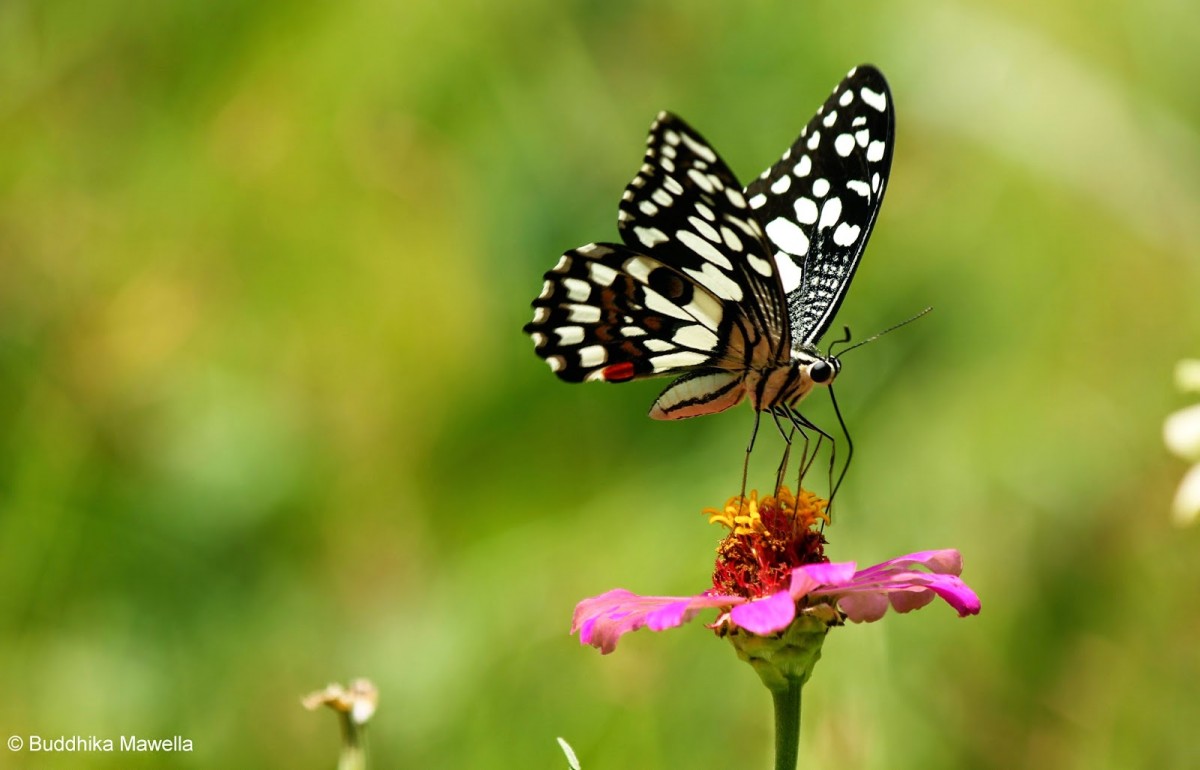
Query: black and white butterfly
[(728, 289)]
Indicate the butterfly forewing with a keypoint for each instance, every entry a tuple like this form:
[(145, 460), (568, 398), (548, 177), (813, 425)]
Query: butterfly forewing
[(693, 288), (686, 208), (818, 203)]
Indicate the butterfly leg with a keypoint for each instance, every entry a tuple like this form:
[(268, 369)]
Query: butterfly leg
[(749, 449), (802, 422), (787, 448)]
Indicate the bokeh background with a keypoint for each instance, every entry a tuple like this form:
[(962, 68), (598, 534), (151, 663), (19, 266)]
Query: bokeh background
[(268, 420)]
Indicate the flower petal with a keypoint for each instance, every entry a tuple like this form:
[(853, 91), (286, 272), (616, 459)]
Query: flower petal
[(604, 619), (1187, 499), (808, 577), (766, 616), (944, 561), (867, 596), (1181, 432), (864, 607)]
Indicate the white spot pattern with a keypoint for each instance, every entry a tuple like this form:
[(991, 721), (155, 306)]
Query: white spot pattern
[(704, 249), (831, 212), (876, 100), (846, 234), (592, 355), (650, 236), (806, 210), (788, 236)]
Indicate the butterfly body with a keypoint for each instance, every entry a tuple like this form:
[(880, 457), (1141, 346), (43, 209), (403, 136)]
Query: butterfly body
[(727, 289)]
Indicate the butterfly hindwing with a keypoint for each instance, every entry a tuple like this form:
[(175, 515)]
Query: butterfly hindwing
[(607, 312), (818, 203)]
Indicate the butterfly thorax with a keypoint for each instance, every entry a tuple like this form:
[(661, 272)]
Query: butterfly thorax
[(788, 383)]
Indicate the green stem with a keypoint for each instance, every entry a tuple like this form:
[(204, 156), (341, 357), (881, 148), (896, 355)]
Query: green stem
[(787, 723), (354, 752)]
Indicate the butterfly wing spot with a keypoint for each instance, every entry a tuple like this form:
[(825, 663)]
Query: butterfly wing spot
[(862, 137), (788, 236), (700, 149), (847, 98), (831, 212), (875, 151), (829, 119), (803, 167), (662, 197), (846, 234), (695, 336), (874, 98), (720, 283), (821, 188), (592, 355), (648, 208), (732, 242), (650, 236), (701, 180), (617, 372), (704, 248), (758, 201), (577, 290), (668, 283), (843, 144), (860, 187), (673, 186), (586, 314), (678, 360), (760, 266), (814, 141), (705, 212), (705, 229), (806, 210), (781, 185)]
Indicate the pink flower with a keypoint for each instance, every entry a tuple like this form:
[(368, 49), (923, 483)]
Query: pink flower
[(771, 571)]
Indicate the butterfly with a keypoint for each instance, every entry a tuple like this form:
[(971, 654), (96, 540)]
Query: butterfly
[(727, 289)]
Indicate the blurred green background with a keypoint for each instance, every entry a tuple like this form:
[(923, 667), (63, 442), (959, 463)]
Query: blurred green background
[(268, 420)]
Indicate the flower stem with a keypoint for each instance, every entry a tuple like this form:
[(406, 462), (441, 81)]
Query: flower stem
[(787, 723), (354, 754)]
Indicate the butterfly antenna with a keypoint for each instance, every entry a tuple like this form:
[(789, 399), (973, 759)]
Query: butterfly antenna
[(874, 337)]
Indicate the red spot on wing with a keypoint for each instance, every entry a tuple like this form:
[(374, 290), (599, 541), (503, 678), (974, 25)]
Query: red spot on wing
[(618, 372)]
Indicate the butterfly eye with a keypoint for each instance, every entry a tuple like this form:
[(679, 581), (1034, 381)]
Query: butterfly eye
[(820, 372)]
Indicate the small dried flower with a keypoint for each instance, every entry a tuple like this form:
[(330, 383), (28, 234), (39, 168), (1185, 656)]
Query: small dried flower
[(1181, 433)]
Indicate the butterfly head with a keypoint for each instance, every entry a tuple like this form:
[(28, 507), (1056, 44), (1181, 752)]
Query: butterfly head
[(823, 370)]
